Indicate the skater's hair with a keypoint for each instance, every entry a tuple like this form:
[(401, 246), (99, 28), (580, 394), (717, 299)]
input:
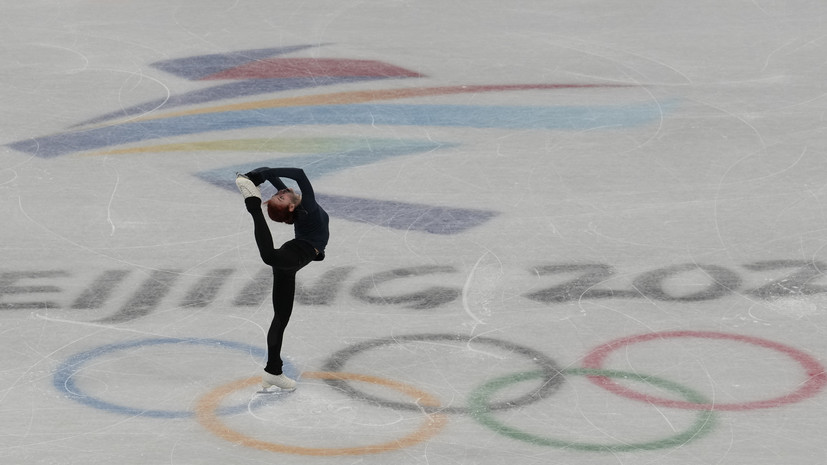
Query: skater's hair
[(279, 214), (283, 213)]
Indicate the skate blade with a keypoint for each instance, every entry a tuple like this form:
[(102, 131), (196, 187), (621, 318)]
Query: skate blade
[(273, 390)]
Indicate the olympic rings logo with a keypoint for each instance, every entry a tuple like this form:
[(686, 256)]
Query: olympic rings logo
[(482, 403)]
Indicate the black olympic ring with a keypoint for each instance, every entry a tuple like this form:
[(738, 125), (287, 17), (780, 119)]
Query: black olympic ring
[(552, 377)]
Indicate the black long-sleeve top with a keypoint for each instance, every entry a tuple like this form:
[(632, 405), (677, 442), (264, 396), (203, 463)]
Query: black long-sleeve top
[(310, 221)]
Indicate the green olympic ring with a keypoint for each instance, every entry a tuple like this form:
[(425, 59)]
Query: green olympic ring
[(480, 410)]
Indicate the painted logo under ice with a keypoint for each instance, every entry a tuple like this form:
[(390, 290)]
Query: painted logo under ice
[(231, 77)]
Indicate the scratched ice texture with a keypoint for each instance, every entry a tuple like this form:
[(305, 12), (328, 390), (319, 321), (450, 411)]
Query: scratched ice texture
[(561, 232)]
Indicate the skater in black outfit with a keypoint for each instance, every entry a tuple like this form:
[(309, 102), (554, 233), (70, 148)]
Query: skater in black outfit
[(310, 223)]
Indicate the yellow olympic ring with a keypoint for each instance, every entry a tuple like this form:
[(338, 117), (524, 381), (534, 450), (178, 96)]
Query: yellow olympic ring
[(205, 412)]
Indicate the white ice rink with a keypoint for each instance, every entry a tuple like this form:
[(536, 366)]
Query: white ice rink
[(562, 232)]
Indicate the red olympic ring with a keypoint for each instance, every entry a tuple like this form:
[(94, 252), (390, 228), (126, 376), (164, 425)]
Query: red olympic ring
[(815, 371)]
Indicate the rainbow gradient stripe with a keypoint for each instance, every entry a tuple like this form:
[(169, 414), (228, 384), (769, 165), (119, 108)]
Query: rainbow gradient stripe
[(141, 129)]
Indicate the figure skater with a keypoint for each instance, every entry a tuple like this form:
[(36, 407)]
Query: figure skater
[(310, 224)]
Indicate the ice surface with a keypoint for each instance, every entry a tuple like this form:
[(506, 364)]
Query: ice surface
[(562, 232)]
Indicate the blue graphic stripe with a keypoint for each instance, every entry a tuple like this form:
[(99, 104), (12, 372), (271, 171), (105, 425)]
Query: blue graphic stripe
[(66, 375), (317, 165), (230, 90), (505, 117), (403, 216), (200, 66)]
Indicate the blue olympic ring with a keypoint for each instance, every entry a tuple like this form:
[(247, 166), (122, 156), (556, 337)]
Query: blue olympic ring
[(64, 378)]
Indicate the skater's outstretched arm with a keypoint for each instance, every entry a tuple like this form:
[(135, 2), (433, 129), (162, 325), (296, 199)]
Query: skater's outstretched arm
[(273, 175)]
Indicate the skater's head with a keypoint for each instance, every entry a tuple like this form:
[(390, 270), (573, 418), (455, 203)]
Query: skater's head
[(282, 204)]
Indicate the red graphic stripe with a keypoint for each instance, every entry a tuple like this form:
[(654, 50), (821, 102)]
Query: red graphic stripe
[(285, 68)]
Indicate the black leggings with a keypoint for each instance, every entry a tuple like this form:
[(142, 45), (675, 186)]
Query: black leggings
[(292, 256)]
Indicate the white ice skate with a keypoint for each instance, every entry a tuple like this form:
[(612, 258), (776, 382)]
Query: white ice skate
[(247, 187), (279, 381)]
